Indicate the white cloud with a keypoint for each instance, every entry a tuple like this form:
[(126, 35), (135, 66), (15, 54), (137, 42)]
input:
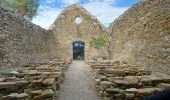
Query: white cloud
[(68, 2), (103, 1), (104, 12), (102, 9), (47, 17), (50, 1)]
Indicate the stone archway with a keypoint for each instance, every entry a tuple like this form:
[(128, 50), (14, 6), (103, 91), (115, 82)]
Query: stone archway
[(78, 50)]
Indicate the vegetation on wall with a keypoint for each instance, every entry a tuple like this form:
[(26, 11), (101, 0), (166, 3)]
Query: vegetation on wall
[(102, 45), (27, 8)]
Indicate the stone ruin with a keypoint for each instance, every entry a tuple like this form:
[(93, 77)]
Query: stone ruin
[(34, 83), (120, 81), (32, 61)]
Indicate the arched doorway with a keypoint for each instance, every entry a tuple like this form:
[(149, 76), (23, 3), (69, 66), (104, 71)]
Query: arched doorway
[(78, 50)]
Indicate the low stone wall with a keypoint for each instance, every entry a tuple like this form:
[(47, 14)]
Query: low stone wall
[(118, 81), (142, 35), (33, 83), (23, 43)]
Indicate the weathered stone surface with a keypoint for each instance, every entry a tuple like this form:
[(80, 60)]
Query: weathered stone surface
[(141, 35), (18, 96), (131, 90), (15, 96), (132, 80), (163, 85), (147, 91), (69, 32), (107, 83), (150, 79), (8, 86), (23, 43), (49, 81), (22, 83), (97, 81), (121, 82), (36, 92), (37, 82), (112, 79), (129, 83), (10, 79), (45, 94), (112, 90), (130, 95)]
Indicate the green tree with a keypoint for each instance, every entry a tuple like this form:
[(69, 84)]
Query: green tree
[(103, 45), (99, 43), (27, 8)]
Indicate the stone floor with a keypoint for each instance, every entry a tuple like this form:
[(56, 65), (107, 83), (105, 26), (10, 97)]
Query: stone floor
[(78, 83)]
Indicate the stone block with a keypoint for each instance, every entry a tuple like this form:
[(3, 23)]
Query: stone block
[(44, 95), (112, 90), (163, 85), (147, 91), (49, 81)]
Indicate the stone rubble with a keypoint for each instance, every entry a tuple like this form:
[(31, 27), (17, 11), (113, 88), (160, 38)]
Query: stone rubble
[(33, 83), (131, 82)]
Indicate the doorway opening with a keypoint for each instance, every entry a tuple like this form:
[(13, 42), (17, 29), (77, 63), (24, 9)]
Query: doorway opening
[(78, 50)]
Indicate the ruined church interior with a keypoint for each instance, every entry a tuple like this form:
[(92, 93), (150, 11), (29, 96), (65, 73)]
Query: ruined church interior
[(79, 58)]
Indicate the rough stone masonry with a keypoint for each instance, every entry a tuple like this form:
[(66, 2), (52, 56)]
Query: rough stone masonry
[(140, 36), (23, 43)]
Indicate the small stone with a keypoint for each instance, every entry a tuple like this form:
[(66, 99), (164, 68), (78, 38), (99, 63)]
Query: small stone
[(131, 90), (45, 94), (49, 81), (18, 96), (14, 72), (10, 79), (121, 82), (118, 96), (132, 80), (147, 91), (112, 90), (27, 91), (36, 92), (130, 95), (39, 81), (148, 79), (112, 79), (163, 85), (106, 94), (102, 77), (8, 85), (106, 83), (23, 82), (101, 93), (97, 81)]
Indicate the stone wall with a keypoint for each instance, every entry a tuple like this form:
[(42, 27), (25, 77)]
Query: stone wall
[(142, 35), (23, 43), (67, 31)]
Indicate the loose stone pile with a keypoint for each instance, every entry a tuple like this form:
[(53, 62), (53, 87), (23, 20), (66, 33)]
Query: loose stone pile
[(33, 83), (120, 81)]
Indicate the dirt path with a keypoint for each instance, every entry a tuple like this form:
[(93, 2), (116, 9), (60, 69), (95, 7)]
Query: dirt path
[(78, 83)]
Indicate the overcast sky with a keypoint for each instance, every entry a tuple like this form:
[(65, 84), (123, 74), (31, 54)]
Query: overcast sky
[(106, 11)]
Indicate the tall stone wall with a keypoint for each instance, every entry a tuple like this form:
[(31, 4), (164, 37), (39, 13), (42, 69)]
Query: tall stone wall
[(67, 31), (23, 43), (142, 35)]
